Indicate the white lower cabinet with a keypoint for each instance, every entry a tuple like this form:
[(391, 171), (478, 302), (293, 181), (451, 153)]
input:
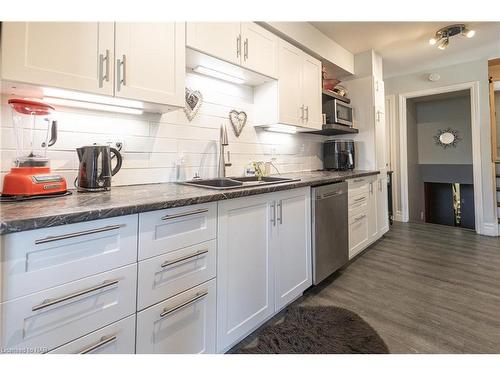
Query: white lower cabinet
[(382, 204), (293, 254), (259, 269), (117, 338), (183, 324), (368, 218), (56, 316)]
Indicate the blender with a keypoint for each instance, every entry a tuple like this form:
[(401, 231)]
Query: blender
[(30, 175)]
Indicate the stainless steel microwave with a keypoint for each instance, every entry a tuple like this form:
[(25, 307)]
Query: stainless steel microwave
[(338, 112)]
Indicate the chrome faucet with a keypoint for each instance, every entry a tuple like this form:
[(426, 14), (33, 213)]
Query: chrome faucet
[(222, 162)]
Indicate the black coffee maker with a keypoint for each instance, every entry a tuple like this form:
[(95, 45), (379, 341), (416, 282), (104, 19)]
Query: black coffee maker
[(94, 172), (338, 154)]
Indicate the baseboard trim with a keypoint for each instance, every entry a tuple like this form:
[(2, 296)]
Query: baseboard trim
[(490, 229)]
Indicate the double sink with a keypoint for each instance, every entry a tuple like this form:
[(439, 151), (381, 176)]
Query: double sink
[(226, 183)]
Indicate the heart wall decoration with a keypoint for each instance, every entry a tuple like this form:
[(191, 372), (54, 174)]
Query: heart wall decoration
[(238, 121), (194, 99)]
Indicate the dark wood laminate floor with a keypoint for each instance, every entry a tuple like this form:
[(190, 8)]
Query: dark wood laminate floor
[(425, 289)]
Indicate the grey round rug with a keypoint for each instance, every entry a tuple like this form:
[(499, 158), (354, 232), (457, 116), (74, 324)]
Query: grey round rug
[(317, 330)]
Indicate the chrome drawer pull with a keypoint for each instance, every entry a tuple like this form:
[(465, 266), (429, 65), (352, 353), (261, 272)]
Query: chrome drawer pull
[(186, 257), (78, 234), (103, 341), (359, 218), (359, 180), (54, 301), (182, 214), (360, 199), (198, 296)]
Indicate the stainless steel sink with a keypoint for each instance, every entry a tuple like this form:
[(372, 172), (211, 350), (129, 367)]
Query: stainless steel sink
[(237, 182)]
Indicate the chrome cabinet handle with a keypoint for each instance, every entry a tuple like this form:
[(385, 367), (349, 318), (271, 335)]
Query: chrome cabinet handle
[(182, 214), (359, 218), (198, 296), (77, 234), (307, 112), (238, 45), (103, 72), (302, 112), (280, 211), (273, 212), (54, 301), (360, 199), (185, 257), (124, 72), (371, 187), (102, 342), (120, 72), (245, 49), (380, 185), (359, 180)]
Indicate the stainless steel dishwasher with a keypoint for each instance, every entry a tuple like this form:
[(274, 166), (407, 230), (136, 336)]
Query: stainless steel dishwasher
[(330, 241)]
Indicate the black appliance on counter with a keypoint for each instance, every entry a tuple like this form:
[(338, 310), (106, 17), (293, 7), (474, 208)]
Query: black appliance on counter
[(95, 171), (338, 155)]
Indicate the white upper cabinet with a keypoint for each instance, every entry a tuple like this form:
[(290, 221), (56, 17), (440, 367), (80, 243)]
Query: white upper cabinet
[(245, 44), (218, 39), (291, 110), (311, 92), (259, 49), (295, 99), (141, 61), (150, 62), (69, 55)]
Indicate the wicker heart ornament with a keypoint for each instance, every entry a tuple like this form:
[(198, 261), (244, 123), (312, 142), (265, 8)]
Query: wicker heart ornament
[(238, 121), (194, 99)]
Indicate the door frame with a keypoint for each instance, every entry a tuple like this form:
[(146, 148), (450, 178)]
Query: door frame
[(473, 88), (391, 131)]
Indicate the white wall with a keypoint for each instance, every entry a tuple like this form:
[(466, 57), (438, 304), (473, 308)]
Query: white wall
[(454, 74), (154, 144)]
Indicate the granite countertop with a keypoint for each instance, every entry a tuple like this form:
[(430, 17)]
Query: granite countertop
[(124, 200)]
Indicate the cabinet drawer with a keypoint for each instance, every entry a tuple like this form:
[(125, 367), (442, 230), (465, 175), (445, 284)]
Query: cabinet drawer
[(117, 338), (182, 324), (359, 185), (358, 233), (166, 230), (56, 316), (44, 258), (166, 275), (358, 201)]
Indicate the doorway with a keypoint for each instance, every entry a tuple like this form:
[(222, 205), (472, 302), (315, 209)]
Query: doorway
[(439, 157)]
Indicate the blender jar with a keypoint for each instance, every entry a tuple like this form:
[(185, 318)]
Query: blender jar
[(32, 124)]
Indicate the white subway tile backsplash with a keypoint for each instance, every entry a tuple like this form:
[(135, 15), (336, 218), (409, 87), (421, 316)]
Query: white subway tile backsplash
[(169, 147)]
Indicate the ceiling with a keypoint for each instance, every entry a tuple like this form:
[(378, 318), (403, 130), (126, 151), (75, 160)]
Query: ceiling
[(405, 47)]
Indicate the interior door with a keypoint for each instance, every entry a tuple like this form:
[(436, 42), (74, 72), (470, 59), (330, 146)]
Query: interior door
[(259, 49), (150, 62), (69, 55), (245, 285), (311, 92), (293, 253), (218, 39), (290, 84)]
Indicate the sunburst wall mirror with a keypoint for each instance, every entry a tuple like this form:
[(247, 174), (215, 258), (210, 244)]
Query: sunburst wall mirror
[(447, 138)]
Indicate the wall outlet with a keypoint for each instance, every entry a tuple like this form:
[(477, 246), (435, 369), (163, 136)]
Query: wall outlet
[(119, 144)]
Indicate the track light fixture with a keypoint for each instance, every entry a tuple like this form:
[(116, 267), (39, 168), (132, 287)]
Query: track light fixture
[(443, 35)]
